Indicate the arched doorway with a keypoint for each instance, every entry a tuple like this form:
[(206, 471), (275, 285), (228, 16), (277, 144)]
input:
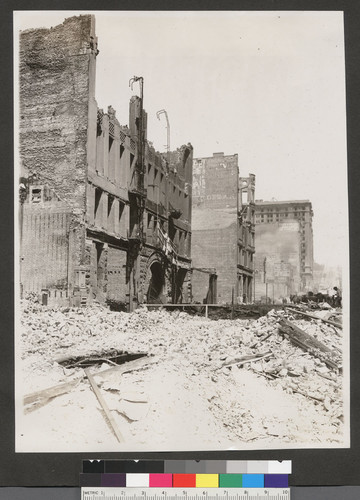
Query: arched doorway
[(156, 284)]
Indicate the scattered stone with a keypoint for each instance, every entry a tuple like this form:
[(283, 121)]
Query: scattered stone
[(196, 349)]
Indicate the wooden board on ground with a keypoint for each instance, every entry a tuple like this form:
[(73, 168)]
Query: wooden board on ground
[(58, 390)]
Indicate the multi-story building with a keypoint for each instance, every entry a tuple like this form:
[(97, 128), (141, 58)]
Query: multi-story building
[(274, 213), (277, 260), (103, 216), (223, 215)]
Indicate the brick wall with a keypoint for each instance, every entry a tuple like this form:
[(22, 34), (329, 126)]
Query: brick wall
[(55, 68), (215, 181), (200, 286), (216, 249), (108, 278), (45, 249), (187, 288), (116, 275), (215, 224)]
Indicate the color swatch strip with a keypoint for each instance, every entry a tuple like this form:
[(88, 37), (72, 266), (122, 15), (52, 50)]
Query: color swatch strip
[(167, 480), (188, 466)]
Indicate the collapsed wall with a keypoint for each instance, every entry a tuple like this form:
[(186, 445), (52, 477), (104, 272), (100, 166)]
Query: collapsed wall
[(103, 216), (56, 79)]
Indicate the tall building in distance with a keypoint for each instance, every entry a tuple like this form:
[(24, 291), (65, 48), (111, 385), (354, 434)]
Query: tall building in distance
[(223, 230), (103, 216), (284, 236), (277, 260)]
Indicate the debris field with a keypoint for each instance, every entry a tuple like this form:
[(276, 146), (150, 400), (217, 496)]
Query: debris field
[(153, 380)]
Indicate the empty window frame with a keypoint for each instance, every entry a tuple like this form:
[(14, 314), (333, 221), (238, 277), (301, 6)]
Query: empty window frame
[(98, 193), (36, 194)]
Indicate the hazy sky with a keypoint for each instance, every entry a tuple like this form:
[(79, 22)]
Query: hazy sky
[(269, 86)]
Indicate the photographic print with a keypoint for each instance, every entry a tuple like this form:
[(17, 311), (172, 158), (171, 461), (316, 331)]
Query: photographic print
[(181, 231)]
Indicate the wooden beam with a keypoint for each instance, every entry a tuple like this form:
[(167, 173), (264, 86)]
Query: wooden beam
[(329, 321), (308, 343), (104, 406), (247, 359), (57, 390)]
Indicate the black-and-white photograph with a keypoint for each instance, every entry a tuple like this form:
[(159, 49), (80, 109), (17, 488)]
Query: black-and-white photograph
[(181, 231)]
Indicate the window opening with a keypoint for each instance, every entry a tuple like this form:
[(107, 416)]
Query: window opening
[(97, 199), (36, 195)]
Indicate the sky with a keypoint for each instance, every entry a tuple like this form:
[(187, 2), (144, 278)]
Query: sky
[(269, 86)]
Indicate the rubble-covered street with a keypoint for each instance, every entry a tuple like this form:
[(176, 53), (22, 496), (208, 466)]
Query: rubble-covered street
[(188, 382)]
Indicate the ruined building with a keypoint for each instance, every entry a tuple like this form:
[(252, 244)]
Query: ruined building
[(102, 215), (284, 248), (277, 260), (223, 217)]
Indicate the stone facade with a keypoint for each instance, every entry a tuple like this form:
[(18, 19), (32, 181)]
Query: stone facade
[(223, 228), (103, 216)]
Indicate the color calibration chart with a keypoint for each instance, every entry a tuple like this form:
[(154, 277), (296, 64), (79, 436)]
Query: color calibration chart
[(185, 480)]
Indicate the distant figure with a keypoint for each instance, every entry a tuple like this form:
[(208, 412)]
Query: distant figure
[(294, 299), (337, 297), (284, 300)]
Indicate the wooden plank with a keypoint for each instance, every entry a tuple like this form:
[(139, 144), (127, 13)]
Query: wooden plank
[(262, 339), (328, 321), (304, 337), (51, 392), (57, 390), (248, 359), (104, 406), (309, 343)]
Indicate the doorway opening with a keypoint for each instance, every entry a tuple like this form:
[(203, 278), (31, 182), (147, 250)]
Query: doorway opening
[(156, 285)]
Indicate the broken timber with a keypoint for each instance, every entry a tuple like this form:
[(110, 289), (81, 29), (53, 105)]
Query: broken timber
[(328, 321), (308, 343), (247, 359), (261, 339), (104, 406), (113, 357), (58, 390)]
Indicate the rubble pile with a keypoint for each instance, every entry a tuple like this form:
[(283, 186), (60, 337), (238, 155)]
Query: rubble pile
[(227, 356), (293, 371)]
